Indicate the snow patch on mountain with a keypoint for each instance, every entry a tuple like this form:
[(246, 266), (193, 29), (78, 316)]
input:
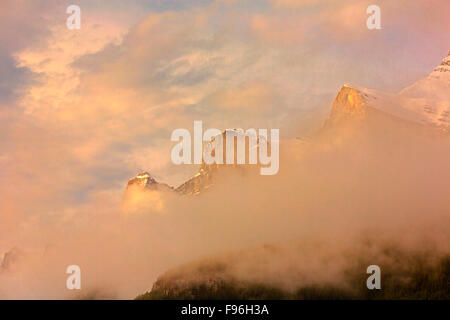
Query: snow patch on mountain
[(427, 101), (145, 181)]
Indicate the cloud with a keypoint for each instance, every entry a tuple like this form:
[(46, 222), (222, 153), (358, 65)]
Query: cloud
[(110, 94), (27, 30), (295, 4), (83, 111)]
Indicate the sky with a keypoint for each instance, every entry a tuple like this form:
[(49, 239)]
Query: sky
[(82, 111)]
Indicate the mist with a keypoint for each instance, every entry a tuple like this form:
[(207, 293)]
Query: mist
[(381, 182)]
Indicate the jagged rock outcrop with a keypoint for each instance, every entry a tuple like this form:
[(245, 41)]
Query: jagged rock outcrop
[(426, 102), (140, 188), (201, 181), (358, 104), (207, 173), (349, 103), (443, 70), (146, 181)]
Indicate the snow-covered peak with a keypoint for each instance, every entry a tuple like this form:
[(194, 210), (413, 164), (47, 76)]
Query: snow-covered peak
[(431, 96), (443, 69), (436, 86), (427, 101), (143, 179), (144, 175), (354, 102)]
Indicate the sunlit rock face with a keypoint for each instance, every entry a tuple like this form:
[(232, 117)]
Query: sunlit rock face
[(425, 102), (443, 70), (431, 95), (146, 181), (425, 105), (143, 180), (357, 109), (202, 180), (207, 173), (349, 103), (144, 193)]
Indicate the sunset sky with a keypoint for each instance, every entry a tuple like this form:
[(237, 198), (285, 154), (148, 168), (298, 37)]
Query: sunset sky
[(82, 111)]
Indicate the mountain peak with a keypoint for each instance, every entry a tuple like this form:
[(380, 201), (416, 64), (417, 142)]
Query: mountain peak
[(144, 180), (443, 67), (349, 103), (426, 101), (144, 175), (206, 174)]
